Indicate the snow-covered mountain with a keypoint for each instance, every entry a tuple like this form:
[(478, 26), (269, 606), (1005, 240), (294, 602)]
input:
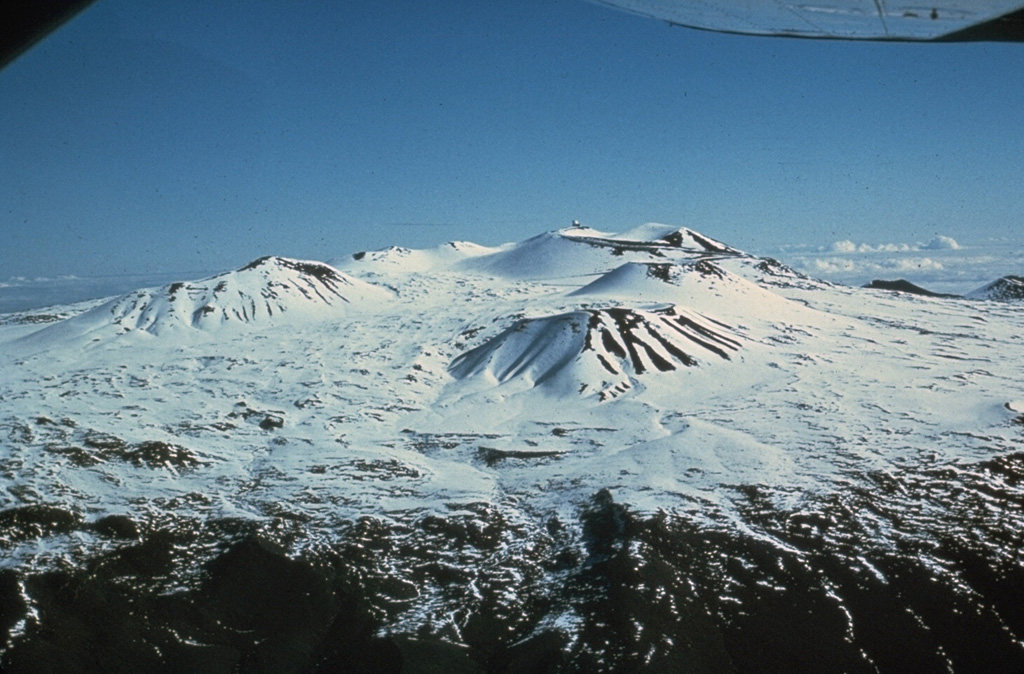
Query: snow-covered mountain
[(267, 290), (1004, 289), (646, 451), (552, 255), (598, 351), (252, 294)]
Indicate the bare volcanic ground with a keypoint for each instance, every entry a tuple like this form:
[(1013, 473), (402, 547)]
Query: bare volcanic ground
[(904, 286)]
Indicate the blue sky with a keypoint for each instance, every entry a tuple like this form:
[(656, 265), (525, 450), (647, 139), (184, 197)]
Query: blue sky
[(144, 138)]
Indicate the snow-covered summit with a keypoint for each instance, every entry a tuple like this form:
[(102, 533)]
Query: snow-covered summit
[(399, 260), (260, 291), (677, 237), (575, 252)]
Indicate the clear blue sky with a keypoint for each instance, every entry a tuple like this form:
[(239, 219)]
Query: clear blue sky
[(147, 137)]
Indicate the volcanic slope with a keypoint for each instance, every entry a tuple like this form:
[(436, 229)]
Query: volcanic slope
[(539, 441), (685, 335), (1008, 288)]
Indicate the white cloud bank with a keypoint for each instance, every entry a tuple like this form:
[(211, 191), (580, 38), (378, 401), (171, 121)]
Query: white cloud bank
[(937, 243), (942, 243), (844, 265)]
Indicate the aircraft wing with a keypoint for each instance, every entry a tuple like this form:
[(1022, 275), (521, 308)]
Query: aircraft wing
[(24, 23), (902, 20)]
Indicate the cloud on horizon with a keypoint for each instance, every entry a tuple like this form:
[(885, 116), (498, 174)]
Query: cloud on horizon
[(841, 265), (937, 243), (941, 264)]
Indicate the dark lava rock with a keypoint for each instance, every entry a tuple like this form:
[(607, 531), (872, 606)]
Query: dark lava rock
[(904, 286), (542, 653), (156, 453), (116, 526), (258, 611), (492, 456), (909, 570), (78, 456), (98, 440), (12, 604), (151, 454), (35, 521), (269, 420), (660, 271), (773, 267), (272, 421)]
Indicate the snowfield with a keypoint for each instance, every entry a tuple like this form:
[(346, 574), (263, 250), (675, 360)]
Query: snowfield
[(675, 375)]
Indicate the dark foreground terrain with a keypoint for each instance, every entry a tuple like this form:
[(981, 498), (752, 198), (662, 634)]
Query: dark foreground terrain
[(915, 572)]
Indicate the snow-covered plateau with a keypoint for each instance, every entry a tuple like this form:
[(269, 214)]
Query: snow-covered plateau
[(583, 452)]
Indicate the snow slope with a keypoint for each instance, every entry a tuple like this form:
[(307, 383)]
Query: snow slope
[(701, 285), (398, 260), (255, 293)]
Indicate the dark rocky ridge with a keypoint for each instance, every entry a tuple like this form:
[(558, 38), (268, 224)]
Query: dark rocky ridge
[(904, 286)]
